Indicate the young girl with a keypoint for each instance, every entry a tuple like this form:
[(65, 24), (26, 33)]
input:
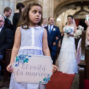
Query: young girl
[(30, 38)]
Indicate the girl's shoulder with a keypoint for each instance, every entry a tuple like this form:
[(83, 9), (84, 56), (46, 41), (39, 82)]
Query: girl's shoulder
[(18, 28), (18, 31)]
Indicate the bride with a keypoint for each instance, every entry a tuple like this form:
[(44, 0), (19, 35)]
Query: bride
[(67, 60)]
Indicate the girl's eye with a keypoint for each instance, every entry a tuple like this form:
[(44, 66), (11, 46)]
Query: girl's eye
[(34, 11)]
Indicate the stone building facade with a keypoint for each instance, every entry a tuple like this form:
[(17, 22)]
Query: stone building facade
[(57, 8)]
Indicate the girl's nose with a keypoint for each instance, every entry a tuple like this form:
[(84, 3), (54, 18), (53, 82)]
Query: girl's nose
[(38, 14)]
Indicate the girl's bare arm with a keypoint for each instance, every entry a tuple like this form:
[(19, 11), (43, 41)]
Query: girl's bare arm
[(45, 47)]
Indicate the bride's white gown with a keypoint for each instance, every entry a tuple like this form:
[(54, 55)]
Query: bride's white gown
[(67, 59)]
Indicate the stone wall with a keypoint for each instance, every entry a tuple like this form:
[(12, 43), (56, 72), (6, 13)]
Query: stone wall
[(7, 3), (56, 8), (50, 7)]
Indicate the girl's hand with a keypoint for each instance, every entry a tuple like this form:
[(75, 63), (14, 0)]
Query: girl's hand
[(9, 68), (54, 68)]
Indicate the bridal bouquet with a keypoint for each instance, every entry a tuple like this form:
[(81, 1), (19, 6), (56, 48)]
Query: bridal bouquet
[(68, 30), (78, 32)]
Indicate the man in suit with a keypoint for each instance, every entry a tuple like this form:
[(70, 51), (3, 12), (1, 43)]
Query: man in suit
[(6, 38), (20, 7), (54, 37), (7, 14)]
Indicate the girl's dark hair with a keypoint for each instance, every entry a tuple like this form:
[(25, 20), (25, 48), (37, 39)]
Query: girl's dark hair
[(19, 6), (70, 16), (24, 19)]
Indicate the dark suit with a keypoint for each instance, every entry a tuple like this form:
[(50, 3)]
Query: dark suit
[(6, 39), (8, 24), (53, 36), (16, 18)]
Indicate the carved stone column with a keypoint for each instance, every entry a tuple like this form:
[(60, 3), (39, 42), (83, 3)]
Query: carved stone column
[(1, 6), (20, 1), (51, 7), (48, 8), (45, 9), (12, 6)]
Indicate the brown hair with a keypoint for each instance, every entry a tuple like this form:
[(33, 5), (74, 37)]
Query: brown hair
[(49, 18), (7, 9), (24, 19)]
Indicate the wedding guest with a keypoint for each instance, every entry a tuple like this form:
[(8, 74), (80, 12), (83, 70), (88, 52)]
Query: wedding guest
[(80, 54), (54, 37), (83, 42), (87, 33), (7, 14), (6, 40), (17, 15), (81, 23)]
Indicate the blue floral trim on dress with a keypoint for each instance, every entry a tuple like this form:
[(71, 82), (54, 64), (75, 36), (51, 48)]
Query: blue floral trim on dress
[(21, 59), (45, 80)]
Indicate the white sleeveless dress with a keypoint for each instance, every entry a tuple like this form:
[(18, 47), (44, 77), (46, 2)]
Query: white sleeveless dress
[(31, 43), (67, 57)]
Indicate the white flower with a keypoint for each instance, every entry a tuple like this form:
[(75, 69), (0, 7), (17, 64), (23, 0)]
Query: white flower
[(80, 28), (54, 29), (78, 32)]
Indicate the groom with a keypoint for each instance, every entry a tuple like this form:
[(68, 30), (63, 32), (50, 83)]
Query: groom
[(54, 37)]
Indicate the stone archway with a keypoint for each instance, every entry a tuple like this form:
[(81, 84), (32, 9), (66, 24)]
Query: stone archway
[(28, 1), (77, 8), (66, 4)]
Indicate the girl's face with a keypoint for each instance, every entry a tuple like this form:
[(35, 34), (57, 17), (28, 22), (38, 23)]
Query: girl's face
[(35, 15), (70, 20)]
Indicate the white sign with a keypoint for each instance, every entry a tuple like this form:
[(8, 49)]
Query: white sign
[(33, 69)]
